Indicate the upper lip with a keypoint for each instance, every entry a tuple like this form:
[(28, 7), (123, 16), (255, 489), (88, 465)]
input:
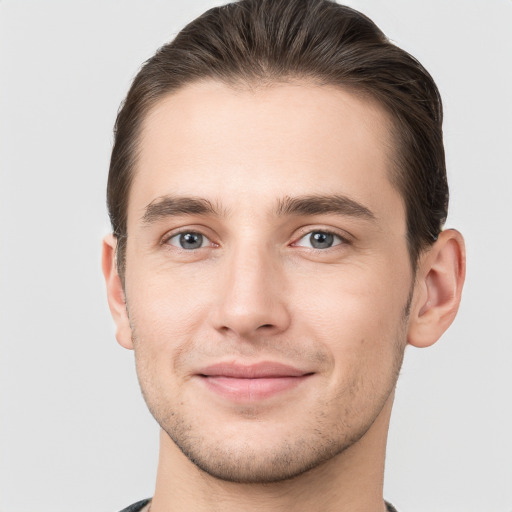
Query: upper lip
[(265, 369)]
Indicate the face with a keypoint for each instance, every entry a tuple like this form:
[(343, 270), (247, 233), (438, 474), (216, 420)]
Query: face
[(267, 274)]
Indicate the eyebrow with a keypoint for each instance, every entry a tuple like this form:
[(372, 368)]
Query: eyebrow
[(323, 204), (173, 206)]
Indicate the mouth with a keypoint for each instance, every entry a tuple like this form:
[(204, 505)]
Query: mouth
[(254, 382)]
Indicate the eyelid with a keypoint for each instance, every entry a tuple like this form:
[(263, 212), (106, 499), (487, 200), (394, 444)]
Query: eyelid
[(164, 240), (205, 241), (345, 238)]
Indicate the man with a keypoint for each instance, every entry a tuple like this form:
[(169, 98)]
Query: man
[(277, 193)]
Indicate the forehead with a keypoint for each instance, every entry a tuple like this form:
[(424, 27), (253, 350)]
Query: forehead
[(240, 144)]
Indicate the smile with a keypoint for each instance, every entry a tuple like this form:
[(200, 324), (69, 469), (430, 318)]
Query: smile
[(248, 383)]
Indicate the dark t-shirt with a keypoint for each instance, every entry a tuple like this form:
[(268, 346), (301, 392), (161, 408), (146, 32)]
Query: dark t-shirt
[(137, 507)]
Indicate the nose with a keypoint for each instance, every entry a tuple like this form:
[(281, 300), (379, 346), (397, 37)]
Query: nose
[(251, 300)]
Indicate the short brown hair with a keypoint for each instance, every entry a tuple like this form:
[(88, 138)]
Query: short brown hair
[(272, 41)]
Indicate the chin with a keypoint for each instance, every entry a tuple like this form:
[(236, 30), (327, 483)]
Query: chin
[(244, 458), (250, 466)]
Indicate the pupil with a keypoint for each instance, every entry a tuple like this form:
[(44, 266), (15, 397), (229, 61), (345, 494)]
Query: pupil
[(191, 240), (321, 240)]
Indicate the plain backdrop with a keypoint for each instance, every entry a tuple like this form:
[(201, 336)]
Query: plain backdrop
[(75, 434)]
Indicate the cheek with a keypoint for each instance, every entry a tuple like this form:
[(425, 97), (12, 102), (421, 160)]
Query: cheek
[(164, 318), (357, 313), (165, 308)]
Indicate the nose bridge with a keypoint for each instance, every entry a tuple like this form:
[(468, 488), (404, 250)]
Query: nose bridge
[(252, 275), (252, 295)]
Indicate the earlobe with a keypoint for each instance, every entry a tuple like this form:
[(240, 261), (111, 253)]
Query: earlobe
[(438, 288), (115, 292)]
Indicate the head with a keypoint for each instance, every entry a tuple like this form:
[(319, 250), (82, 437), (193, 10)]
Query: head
[(277, 192)]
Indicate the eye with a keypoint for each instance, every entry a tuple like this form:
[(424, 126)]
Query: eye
[(319, 240), (189, 240)]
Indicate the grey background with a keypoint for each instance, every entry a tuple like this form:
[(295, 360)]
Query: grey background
[(75, 434)]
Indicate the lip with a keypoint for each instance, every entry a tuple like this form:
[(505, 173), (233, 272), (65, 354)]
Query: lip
[(254, 382)]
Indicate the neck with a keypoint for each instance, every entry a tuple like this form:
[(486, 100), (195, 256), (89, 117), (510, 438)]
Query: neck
[(351, 481)]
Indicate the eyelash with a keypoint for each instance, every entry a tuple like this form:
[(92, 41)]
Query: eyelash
[(343, 239), (169, 236)]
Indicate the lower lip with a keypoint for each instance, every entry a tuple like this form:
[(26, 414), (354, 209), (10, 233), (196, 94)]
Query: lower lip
[(249, 390)]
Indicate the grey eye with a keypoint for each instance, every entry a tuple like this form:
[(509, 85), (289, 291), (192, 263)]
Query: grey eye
[(189, 240), (319, 240)]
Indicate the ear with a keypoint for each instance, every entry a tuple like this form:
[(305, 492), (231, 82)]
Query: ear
[(438, 288), (115, 292)]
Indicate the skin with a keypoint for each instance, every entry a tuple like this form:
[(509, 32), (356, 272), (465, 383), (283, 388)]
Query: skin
[(256, 290)]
